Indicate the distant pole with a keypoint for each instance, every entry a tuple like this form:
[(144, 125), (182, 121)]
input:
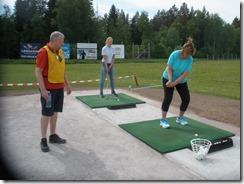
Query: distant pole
[(149, 54), (138, 53), (214, 49), (133, 51)]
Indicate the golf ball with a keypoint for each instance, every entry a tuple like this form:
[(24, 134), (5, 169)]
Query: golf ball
[(196, 135), (118, 100)]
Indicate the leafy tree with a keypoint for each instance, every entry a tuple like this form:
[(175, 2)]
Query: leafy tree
[(236, 39), (158, 47), (170, 16), (196, 29), (51, 17), (228, 43), (113, 17), (157, 20), (100, 36), (37, 28), (135, 32), (22, 14), (34, 20), (8, 34), (236, 22), (29, 18), (74, 19), (144, 26), (212, 34), (182, 18), (171, 41), (112, 23), (124, 29), (164, 18)]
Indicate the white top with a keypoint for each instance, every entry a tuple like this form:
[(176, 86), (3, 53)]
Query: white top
[(109, 52)]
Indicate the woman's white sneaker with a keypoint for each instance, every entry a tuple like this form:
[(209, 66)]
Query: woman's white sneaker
[(181, 120), (164, 123)]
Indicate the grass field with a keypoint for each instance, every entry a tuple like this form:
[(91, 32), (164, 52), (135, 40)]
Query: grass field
[(214, 78)]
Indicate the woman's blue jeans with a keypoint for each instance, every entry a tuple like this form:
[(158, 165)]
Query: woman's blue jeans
[(103, 77)]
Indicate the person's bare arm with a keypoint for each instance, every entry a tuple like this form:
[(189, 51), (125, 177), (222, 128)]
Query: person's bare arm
[(39, 78), (67, 84), (105, 59), (113, 60), (172, 84)]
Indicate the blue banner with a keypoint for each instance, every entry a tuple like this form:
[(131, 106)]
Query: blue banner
[(66, 49), (29, 50)]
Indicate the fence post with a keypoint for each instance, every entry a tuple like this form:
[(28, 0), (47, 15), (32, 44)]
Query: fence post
[(136, 81)]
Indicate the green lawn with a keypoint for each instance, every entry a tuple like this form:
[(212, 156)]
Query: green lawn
[(218, 78), (215, 78)]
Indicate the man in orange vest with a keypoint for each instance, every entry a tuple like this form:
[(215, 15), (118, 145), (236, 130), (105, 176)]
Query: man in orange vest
[(50, 74)]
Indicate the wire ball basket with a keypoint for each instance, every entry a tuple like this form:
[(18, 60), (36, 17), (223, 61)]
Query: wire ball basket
[(200, 147)]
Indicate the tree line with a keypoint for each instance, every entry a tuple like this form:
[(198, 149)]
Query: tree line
[(32, 21)]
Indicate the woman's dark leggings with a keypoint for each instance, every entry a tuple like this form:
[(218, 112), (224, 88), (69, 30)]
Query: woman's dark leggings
[(168, 95)]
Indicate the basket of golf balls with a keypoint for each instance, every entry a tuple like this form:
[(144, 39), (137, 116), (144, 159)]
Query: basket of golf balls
[(200, 147)]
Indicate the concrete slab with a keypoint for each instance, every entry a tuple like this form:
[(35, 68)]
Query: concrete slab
[(142, 112), (97, 149), (219, 165)]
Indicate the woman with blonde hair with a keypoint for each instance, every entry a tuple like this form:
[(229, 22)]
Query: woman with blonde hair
[(107, 66), (175, 76)]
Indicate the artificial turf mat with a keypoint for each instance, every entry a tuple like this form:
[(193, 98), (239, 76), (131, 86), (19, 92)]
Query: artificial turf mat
[(95, 101), (176, 137)]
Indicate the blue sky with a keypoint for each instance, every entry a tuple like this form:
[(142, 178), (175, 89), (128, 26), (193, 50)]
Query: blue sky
[(226, 9)]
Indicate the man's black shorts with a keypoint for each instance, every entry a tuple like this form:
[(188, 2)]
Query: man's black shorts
[(57, 102)]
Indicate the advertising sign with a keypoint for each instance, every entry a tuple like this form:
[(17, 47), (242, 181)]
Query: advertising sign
[(66, 50), (86, 51), (29, 50), (120, 51)]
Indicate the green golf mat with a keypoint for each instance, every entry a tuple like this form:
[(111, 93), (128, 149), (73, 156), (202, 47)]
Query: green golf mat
[(176, 137), (95, 101)]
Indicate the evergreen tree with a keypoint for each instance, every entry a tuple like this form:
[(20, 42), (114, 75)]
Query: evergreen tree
[(8, 34), (74, 19), (51, 17), (34, 20)]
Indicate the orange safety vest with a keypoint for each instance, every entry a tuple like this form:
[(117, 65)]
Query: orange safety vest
[(56, 66)]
